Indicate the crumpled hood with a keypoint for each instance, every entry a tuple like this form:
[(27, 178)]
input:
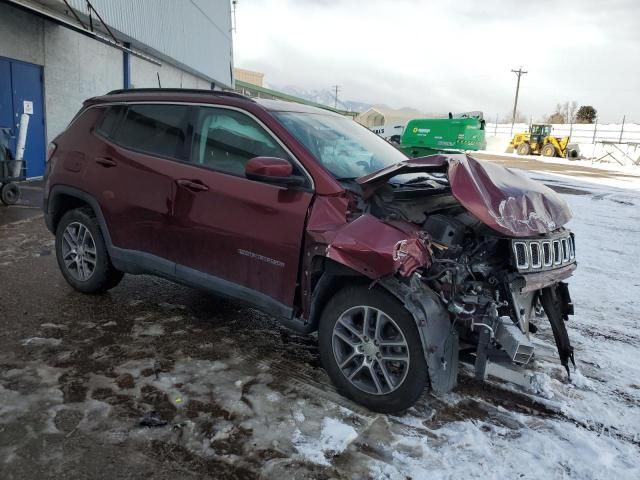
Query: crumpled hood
[(503, 199)]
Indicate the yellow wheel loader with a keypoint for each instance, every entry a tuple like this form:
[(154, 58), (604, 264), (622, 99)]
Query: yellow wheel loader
[(539, 141)]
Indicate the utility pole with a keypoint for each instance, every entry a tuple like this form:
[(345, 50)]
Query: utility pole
[(336, 89), (234, 4), (519, 73)]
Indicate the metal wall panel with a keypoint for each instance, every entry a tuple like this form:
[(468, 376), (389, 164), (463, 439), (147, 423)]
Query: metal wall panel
[(190, 34)]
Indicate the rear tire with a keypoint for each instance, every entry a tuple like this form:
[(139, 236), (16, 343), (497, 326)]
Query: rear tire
[(548, 150), (524, 149), (82, 253), (384, 359)]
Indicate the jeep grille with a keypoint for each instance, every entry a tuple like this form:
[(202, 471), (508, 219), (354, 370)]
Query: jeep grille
[(538, 255)]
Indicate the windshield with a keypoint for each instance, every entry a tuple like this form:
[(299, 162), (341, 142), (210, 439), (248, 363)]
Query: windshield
[(345, 148)]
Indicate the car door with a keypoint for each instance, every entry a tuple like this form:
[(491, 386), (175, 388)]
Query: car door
[(144, 146), (244, 235)]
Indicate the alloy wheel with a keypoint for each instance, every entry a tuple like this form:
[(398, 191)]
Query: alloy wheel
[(370, 350), (79, 251)]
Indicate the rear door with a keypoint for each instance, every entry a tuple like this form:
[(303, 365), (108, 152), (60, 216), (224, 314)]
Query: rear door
[(244, 232), (143, 149)]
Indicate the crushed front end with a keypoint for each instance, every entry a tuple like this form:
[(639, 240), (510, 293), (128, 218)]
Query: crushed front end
[(496, 288), (499, 255)]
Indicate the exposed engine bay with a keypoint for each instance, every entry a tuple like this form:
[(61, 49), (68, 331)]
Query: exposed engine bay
[(494, 287)]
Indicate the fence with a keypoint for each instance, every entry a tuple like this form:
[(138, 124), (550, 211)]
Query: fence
[(579, 132)]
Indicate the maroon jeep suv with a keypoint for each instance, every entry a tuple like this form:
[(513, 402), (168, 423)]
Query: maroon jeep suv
[(405, 267)]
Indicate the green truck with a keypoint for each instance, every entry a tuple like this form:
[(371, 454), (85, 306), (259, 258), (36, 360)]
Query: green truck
[(425, 136)]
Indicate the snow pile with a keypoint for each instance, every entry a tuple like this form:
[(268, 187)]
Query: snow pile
[(334, 438), (540, 449)]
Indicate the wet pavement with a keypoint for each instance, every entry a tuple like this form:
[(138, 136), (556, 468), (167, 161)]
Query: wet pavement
[(29, 205), (563, 168), (227, 389)]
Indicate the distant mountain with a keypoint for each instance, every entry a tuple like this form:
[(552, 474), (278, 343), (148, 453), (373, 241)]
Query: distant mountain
[(324, 97)]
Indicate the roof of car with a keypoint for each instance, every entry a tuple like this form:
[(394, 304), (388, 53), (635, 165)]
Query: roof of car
[(283, 106), (161, 91), (188, 95)]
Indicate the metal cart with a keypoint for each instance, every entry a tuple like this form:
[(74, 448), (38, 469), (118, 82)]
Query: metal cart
[(11, 170)]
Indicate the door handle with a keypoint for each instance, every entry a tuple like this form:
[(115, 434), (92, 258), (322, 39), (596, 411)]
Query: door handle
[(191, 185), (106, 162)]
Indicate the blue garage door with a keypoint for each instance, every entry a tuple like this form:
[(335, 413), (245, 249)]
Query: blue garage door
[(20, 89)]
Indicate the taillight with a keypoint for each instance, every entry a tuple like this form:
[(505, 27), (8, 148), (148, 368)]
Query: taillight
[(51, 149)]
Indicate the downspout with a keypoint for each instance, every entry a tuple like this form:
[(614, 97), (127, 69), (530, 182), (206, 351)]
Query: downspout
[(126, 66)]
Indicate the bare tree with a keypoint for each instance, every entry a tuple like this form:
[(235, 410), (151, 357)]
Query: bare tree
[(564, 113), (572, 108), (556, 117), (520, 118)]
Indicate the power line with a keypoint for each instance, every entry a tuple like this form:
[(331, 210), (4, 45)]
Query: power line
[(519, 73)]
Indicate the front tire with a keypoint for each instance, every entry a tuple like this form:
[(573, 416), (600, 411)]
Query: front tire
[(370, 346), (548, 150), (82, 253), (524, 149)]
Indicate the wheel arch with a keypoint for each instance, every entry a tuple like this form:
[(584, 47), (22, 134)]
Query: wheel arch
[(63, 198), (327, 277), (440, 342)]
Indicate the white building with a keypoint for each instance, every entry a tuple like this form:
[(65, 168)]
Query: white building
[(385, 121), (56, 53)]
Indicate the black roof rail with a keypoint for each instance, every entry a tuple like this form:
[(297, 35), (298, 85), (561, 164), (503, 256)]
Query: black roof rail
[(180, 90)]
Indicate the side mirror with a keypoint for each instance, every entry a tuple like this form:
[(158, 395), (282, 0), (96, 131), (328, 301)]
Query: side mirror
[(272, 170)]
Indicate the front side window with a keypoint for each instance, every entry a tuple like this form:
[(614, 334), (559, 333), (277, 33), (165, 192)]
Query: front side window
[(226, 140), (154, 128), (348, 150)]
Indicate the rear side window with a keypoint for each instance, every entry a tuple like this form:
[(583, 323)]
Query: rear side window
[(110, 120), (156, 129)]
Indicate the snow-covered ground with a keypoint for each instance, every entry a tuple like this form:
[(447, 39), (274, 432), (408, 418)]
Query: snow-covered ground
[(242, 396), (619, 157), (579, 132), (595, 431)]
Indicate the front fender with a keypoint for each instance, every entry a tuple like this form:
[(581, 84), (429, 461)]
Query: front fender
[(376, 249)]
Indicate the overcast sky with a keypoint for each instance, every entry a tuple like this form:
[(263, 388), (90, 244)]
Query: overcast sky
[(450, 56)]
